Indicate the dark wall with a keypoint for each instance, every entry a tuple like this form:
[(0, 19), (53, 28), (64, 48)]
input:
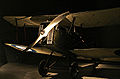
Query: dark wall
[(3, 58), (22, 7), (7, 31), (108, 36), (6, 35)]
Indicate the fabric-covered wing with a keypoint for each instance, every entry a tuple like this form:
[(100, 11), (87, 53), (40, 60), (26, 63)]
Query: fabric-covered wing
[(98, 18), (101, 53), (33, 21), (21, 21), (88, 19), (40, 50)]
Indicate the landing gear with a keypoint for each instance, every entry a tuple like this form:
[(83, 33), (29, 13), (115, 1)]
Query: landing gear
[(74, 70), (45, 65), (78, 72), (43, 69)]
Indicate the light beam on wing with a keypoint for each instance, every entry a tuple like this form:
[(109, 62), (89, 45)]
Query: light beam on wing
[(48, 28), (20, 47), (40, 50)]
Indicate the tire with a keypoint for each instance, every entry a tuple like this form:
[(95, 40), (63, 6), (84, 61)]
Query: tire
[(43, 70)]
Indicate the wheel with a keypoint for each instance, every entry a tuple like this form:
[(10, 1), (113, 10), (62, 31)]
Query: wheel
[(74, 70), (43, 69)]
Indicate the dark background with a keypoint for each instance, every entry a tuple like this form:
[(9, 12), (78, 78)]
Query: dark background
[(37, 7)]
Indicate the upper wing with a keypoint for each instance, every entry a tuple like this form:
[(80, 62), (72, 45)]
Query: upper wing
[(41, 50), (21, 21), (108, 54), (32, 21), (98, 18)]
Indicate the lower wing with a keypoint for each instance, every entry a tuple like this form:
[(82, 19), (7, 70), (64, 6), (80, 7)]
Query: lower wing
[(97, 52), (41, 50), (106, 54)]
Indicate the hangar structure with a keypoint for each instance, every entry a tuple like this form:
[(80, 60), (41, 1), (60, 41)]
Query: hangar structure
[(91, 38)]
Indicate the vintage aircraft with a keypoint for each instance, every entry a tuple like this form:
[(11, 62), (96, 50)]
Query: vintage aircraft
[(63, 37)]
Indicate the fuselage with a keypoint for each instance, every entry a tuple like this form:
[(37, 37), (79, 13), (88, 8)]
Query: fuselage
[(68, 40)]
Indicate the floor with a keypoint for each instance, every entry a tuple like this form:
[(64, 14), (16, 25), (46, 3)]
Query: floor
[(22, 71)]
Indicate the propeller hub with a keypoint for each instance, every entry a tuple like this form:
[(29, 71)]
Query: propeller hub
[(42, 32)]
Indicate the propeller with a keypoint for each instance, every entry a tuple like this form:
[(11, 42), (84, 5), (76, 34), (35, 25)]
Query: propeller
[(45, 31)]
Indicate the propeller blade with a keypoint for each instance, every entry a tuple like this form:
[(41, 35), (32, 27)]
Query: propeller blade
[(45, 32)]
